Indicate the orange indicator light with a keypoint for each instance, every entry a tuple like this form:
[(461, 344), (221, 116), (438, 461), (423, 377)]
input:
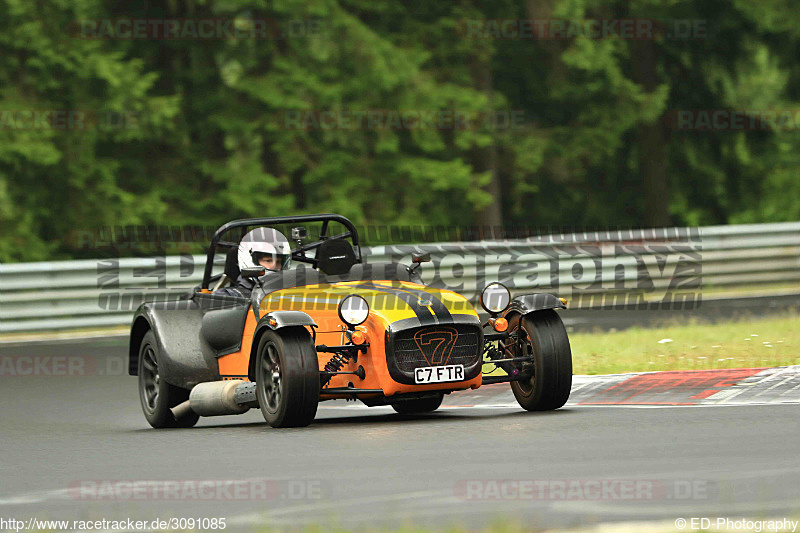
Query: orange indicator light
[(359, 337)]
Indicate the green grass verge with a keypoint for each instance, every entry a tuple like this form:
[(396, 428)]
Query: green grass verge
[(746, 343)]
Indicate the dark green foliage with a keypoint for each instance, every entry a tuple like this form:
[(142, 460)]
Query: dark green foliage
[(211, 130)]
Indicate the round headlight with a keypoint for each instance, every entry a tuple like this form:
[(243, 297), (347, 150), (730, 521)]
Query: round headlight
[(353, 310), (495, 298)]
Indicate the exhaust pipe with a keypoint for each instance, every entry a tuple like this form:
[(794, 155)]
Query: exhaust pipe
[(212, 398), (218, 398), (181, 410)]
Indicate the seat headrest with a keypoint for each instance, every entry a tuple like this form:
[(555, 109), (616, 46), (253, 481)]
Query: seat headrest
[(232, 264), (335, 257)]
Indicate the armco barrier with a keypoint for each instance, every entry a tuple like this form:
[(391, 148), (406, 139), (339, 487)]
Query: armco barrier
[(105, 292)]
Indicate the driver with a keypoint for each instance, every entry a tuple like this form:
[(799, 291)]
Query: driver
[(263, 247)]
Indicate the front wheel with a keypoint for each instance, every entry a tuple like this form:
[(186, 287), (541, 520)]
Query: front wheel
[(418, 406), (158, 396), (543, 336), (287, 377)]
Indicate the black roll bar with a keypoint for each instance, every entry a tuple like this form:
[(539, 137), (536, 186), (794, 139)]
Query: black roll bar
[(325, 218)]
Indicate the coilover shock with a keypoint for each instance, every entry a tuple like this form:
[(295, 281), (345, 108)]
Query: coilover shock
[(494, 353), (337, 362), (334, 365)]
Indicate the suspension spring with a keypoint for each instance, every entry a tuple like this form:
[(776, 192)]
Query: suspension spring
[(493, 353), (336, 362)]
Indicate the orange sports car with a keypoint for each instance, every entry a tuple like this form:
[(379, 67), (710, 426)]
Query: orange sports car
[(335, 327)]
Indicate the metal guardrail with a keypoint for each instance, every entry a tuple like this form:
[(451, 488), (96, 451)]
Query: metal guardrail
[(644, 263)]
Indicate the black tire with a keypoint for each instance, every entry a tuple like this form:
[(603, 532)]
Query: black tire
[(287, 378), (543, 335), (419, 406), (156, 395)]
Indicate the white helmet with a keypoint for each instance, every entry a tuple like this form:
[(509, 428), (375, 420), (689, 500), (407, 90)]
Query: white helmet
[(264, 242)]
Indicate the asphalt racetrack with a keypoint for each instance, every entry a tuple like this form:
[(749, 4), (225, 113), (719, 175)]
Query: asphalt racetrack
[(73, 445)]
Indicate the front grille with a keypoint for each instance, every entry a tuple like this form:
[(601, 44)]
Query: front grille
[(457, 344)]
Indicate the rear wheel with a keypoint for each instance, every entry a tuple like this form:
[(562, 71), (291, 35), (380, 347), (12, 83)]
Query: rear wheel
[(287, 377), (418, 406), (158, 396), (543, 336)]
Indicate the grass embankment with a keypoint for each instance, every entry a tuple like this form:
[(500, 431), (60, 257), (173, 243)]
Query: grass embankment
[(694, 346)]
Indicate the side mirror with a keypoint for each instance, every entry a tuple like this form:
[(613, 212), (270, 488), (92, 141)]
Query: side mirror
[(418, 258), (421, 257), (253, 272)]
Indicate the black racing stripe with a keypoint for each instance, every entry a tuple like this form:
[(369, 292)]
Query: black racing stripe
[(440, 310), (437, 306), (423, 313)]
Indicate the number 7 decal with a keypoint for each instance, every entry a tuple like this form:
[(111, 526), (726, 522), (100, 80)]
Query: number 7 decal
[(437, 344)]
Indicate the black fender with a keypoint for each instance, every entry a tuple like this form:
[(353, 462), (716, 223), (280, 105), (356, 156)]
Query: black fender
[(530, 303), (222, 328), (275, 321), (186, 358)]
